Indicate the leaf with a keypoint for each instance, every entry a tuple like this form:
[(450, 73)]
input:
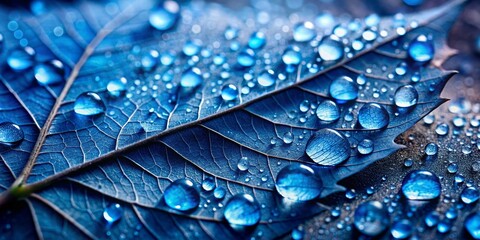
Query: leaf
[(69, 168)]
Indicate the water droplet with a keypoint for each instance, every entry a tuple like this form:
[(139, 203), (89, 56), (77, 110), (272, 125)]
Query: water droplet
[(421, 185), (350, 194), (89, 104), (331, 49), (365, 146), (219, 193), (444, 226), (373, 116), (421, 49), (149, 60), (246, 58), (343, 89), (304, 106), (49, 73), (371, 218), (288, 138), (298, 182), (20, 59), (230, 33), (167, 58), (242, 210), (292, 56), (429, 119), (472, 224), (431, 149), (208, 184), (165, 17), (328, 111), (401, 229), (460, 105), (452, 168), (113, 213), (266, 78), (442, 129), (191, 78), (406, 96), (408, 162), (459, 121), (243, 164), (297, 234), (10, 134), (432, 219), (328, 147), (413, 3), (304, 32), (117, 87), (470, 195), (229, 92), (182, 195), (257, 40), (192, 47)]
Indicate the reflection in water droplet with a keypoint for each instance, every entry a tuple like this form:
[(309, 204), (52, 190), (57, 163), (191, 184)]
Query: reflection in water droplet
[(243, 164), (304, 32), (266, 78), (421, 49), (431, 149), (371, 218), (365, 146), (165, 17), (297, 182), (89, 104), (219, 193), (472, 224), (10, 134), (117, 87), (328, 111), (406, 96), (331, 49), (229, 92), (20, 59), (343, 89), (208, 184), (288, 138), (421, 185), (373, 116), (246, 58), (328, 147), (442, 129), (257, 40), (182, 195), (113, 213), (191, 78), (242, 210), (49, 73)]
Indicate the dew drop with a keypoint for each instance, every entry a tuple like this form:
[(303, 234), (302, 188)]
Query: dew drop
[(167, 58), (117, 87), (470, 195), (442, 129), (328, 111), (229, 92), (365, 146), (208, 184), (371, 218), (298, 182), (452, 168), (431, 149), (219, 193), (165, 17), (191, 48), (328, 147), (191, 78), (242, 210), (331, 49), (472, 224), (89, 104), (304, 32), (432, 219), (288, 138), (406, 96), (243, 164), (182, 195), (149, 60), (246, 58), (373, 116), (266, 78), (292, 56), (230, 33), (20, 59), (401, 229), (343, 89), (113, 213), (49, 73), (10, 134), (257, 40), (421, 185), (421, 49)]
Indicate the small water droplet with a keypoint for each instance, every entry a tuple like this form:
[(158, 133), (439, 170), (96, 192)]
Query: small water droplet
[(89, 104), (113, 213), (350, 194), (328, 147), (230, 33), (219, 193), (208, 184), (331, 48), (292, 56), (472, 224), (442, 129), (257, 40), (421, 185), (298, 182), (182, 195), (266, 78), (288, 138), (432, 219), (470, 195), (371, 218), (10, 134), (373, 116), (117, 87), (328, 111), (408, 162), (20, 59), (343, 89), (406, 96), (452, 168), (431, 149), (243, 164), (242, 210), (421, 49), (191, 79), (49, 73), (246, 58), (192, 47), (401, 229), (304, 32), (365, 146), (229, 92), (165, 16), (149, 60)]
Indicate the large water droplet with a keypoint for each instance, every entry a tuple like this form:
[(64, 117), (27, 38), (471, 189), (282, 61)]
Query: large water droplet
[(371, 218), (421, 185), (472, 224), (328, 111), (257, 40), (117, 87), (373, 116), (10, 134), (165, 17), (20, 59), (113, 213), (421, 49), (304, 32), (343, 89), (298, 182), (406, 96), (49, 73), (89, 104), (470, 195), (246, 58), (328, 147), (242, 210), (191, 78), (401, 229), (331, 48), (229, 92), (182, 195), (266, 78), (292, 56)]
